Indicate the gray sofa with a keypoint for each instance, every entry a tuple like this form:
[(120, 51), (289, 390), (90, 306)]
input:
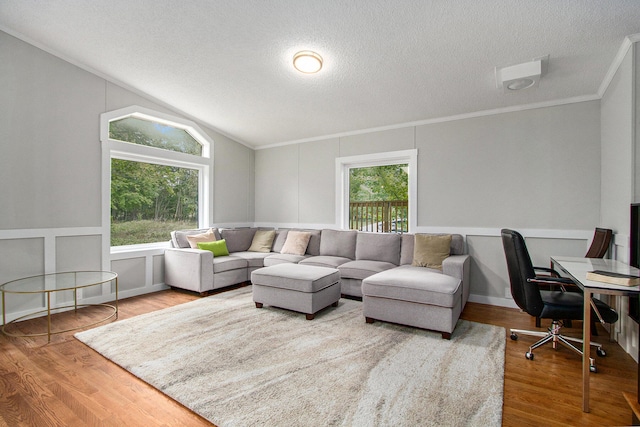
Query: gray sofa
[(199, 271), (382, 261), (356, 254)]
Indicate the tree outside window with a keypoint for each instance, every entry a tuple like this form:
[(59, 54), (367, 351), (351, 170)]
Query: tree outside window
[(379, 198), (151, 193)]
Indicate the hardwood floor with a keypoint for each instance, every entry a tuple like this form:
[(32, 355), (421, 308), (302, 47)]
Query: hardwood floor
[(64, 383)]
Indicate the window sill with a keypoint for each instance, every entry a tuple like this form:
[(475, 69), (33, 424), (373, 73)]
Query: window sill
[(145, 247)]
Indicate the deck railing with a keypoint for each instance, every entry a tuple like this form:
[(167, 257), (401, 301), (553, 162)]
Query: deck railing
[(388, 216)]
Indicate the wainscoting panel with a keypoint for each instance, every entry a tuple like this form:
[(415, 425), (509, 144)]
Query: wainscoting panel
[(131, 273)]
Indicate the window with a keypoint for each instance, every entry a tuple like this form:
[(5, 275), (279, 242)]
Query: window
[(379, 198), (156, 176), (377, 192)]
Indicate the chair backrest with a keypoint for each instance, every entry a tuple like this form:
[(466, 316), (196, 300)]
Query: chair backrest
[(600, 243), (525, 294)]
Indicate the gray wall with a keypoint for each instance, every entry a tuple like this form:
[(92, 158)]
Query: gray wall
[(535, 170), (617, 149), (620, 175), (50, 170)]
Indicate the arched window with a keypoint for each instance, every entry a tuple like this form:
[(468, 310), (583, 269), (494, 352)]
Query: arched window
[(156, 175)]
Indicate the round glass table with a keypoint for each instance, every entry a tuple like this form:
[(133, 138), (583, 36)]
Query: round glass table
[(56, 283)]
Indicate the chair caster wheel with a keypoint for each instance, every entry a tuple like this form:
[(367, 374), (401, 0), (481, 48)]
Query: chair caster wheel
[(600, 352), (593, 369), (528, 355), (514, 336)]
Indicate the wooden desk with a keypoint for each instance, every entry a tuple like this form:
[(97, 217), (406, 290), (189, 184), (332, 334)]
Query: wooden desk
[(576, 269)]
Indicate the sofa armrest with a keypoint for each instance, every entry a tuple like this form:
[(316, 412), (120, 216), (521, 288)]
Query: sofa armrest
[(458, 266), (190, 269)]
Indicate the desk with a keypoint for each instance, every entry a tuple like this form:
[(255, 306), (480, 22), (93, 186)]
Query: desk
[(46, 284), (576, 269)]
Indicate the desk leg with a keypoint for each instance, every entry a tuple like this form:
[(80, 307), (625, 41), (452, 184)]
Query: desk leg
[(586, 347)]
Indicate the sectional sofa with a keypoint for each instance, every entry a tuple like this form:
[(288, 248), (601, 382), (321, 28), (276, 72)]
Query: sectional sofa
[(395, 290)]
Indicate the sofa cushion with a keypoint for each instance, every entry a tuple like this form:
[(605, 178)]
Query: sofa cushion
[(179, 237), (226, 263), (280, 238), (338, 243), (361, 269), (238, 239), (431, 250), (296, 243), (406, 253), (325, 261), (219, 247), (255, 259), (276, 258), (303, 278), (378, 247), (415, 284), (262, 241), (208, 236)]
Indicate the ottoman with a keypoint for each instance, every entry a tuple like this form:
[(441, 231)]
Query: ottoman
[(303, 288), (413, 296)]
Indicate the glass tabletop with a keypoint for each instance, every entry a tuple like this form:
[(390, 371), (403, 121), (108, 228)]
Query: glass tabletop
[(57, 282), (578, 268)]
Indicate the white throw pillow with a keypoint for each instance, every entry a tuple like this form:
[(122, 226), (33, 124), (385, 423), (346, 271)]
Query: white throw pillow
[(296, 243), (194, 239)]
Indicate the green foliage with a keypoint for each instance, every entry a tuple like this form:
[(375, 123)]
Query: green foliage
[(144, 132), (145, 231), (389, 182), (148, 191), (153, 196)]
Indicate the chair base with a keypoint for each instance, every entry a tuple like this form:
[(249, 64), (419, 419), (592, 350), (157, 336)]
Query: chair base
[(554, 337)]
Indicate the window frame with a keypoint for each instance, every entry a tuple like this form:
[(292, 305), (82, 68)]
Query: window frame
[(344, 164), (112, 148)]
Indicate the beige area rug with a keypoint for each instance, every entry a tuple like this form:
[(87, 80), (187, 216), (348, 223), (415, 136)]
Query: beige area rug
[(237, 365)]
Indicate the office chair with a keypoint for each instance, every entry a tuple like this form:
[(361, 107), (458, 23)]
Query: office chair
[(598, 248), (553, 304), (600, 244)]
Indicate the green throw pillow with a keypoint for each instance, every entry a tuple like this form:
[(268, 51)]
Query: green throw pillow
[(219, 247)]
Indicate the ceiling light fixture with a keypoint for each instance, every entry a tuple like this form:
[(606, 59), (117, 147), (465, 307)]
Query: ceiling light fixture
[(521, 76), (307, 62)]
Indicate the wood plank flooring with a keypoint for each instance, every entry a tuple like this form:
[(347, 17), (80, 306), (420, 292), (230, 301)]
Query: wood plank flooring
[(64, 383)]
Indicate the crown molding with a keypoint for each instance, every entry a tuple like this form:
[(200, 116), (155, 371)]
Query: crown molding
[(617, 61), (472, 115)]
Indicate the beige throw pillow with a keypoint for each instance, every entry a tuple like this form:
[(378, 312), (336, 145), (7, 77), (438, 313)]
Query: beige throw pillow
[(430, 250), (208, 236), (296, 243), (262, 241)]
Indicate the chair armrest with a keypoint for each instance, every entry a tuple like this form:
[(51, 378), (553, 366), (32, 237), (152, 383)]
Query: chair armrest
[(548, 280), (551, 271), (190, 269), (458, 266)]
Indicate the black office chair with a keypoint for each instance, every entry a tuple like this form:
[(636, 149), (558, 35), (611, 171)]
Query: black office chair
[(553, 304), (598, 248)]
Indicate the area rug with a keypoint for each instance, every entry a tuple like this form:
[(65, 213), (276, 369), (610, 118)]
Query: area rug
[(237, 365)]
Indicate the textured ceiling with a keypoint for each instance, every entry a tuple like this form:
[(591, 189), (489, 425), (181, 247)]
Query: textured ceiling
[(389, 62)]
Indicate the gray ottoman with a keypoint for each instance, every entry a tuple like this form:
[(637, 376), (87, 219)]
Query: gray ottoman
[(413, 296), (303, 288)]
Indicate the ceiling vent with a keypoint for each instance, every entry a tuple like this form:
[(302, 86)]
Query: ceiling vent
[(520, 76)]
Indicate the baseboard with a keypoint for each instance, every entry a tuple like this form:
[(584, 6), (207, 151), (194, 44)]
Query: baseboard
[(497, 301)]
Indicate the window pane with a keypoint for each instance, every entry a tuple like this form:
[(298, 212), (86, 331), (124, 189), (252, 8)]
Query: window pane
[(148, 201), (144, 132), (378, 198)]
